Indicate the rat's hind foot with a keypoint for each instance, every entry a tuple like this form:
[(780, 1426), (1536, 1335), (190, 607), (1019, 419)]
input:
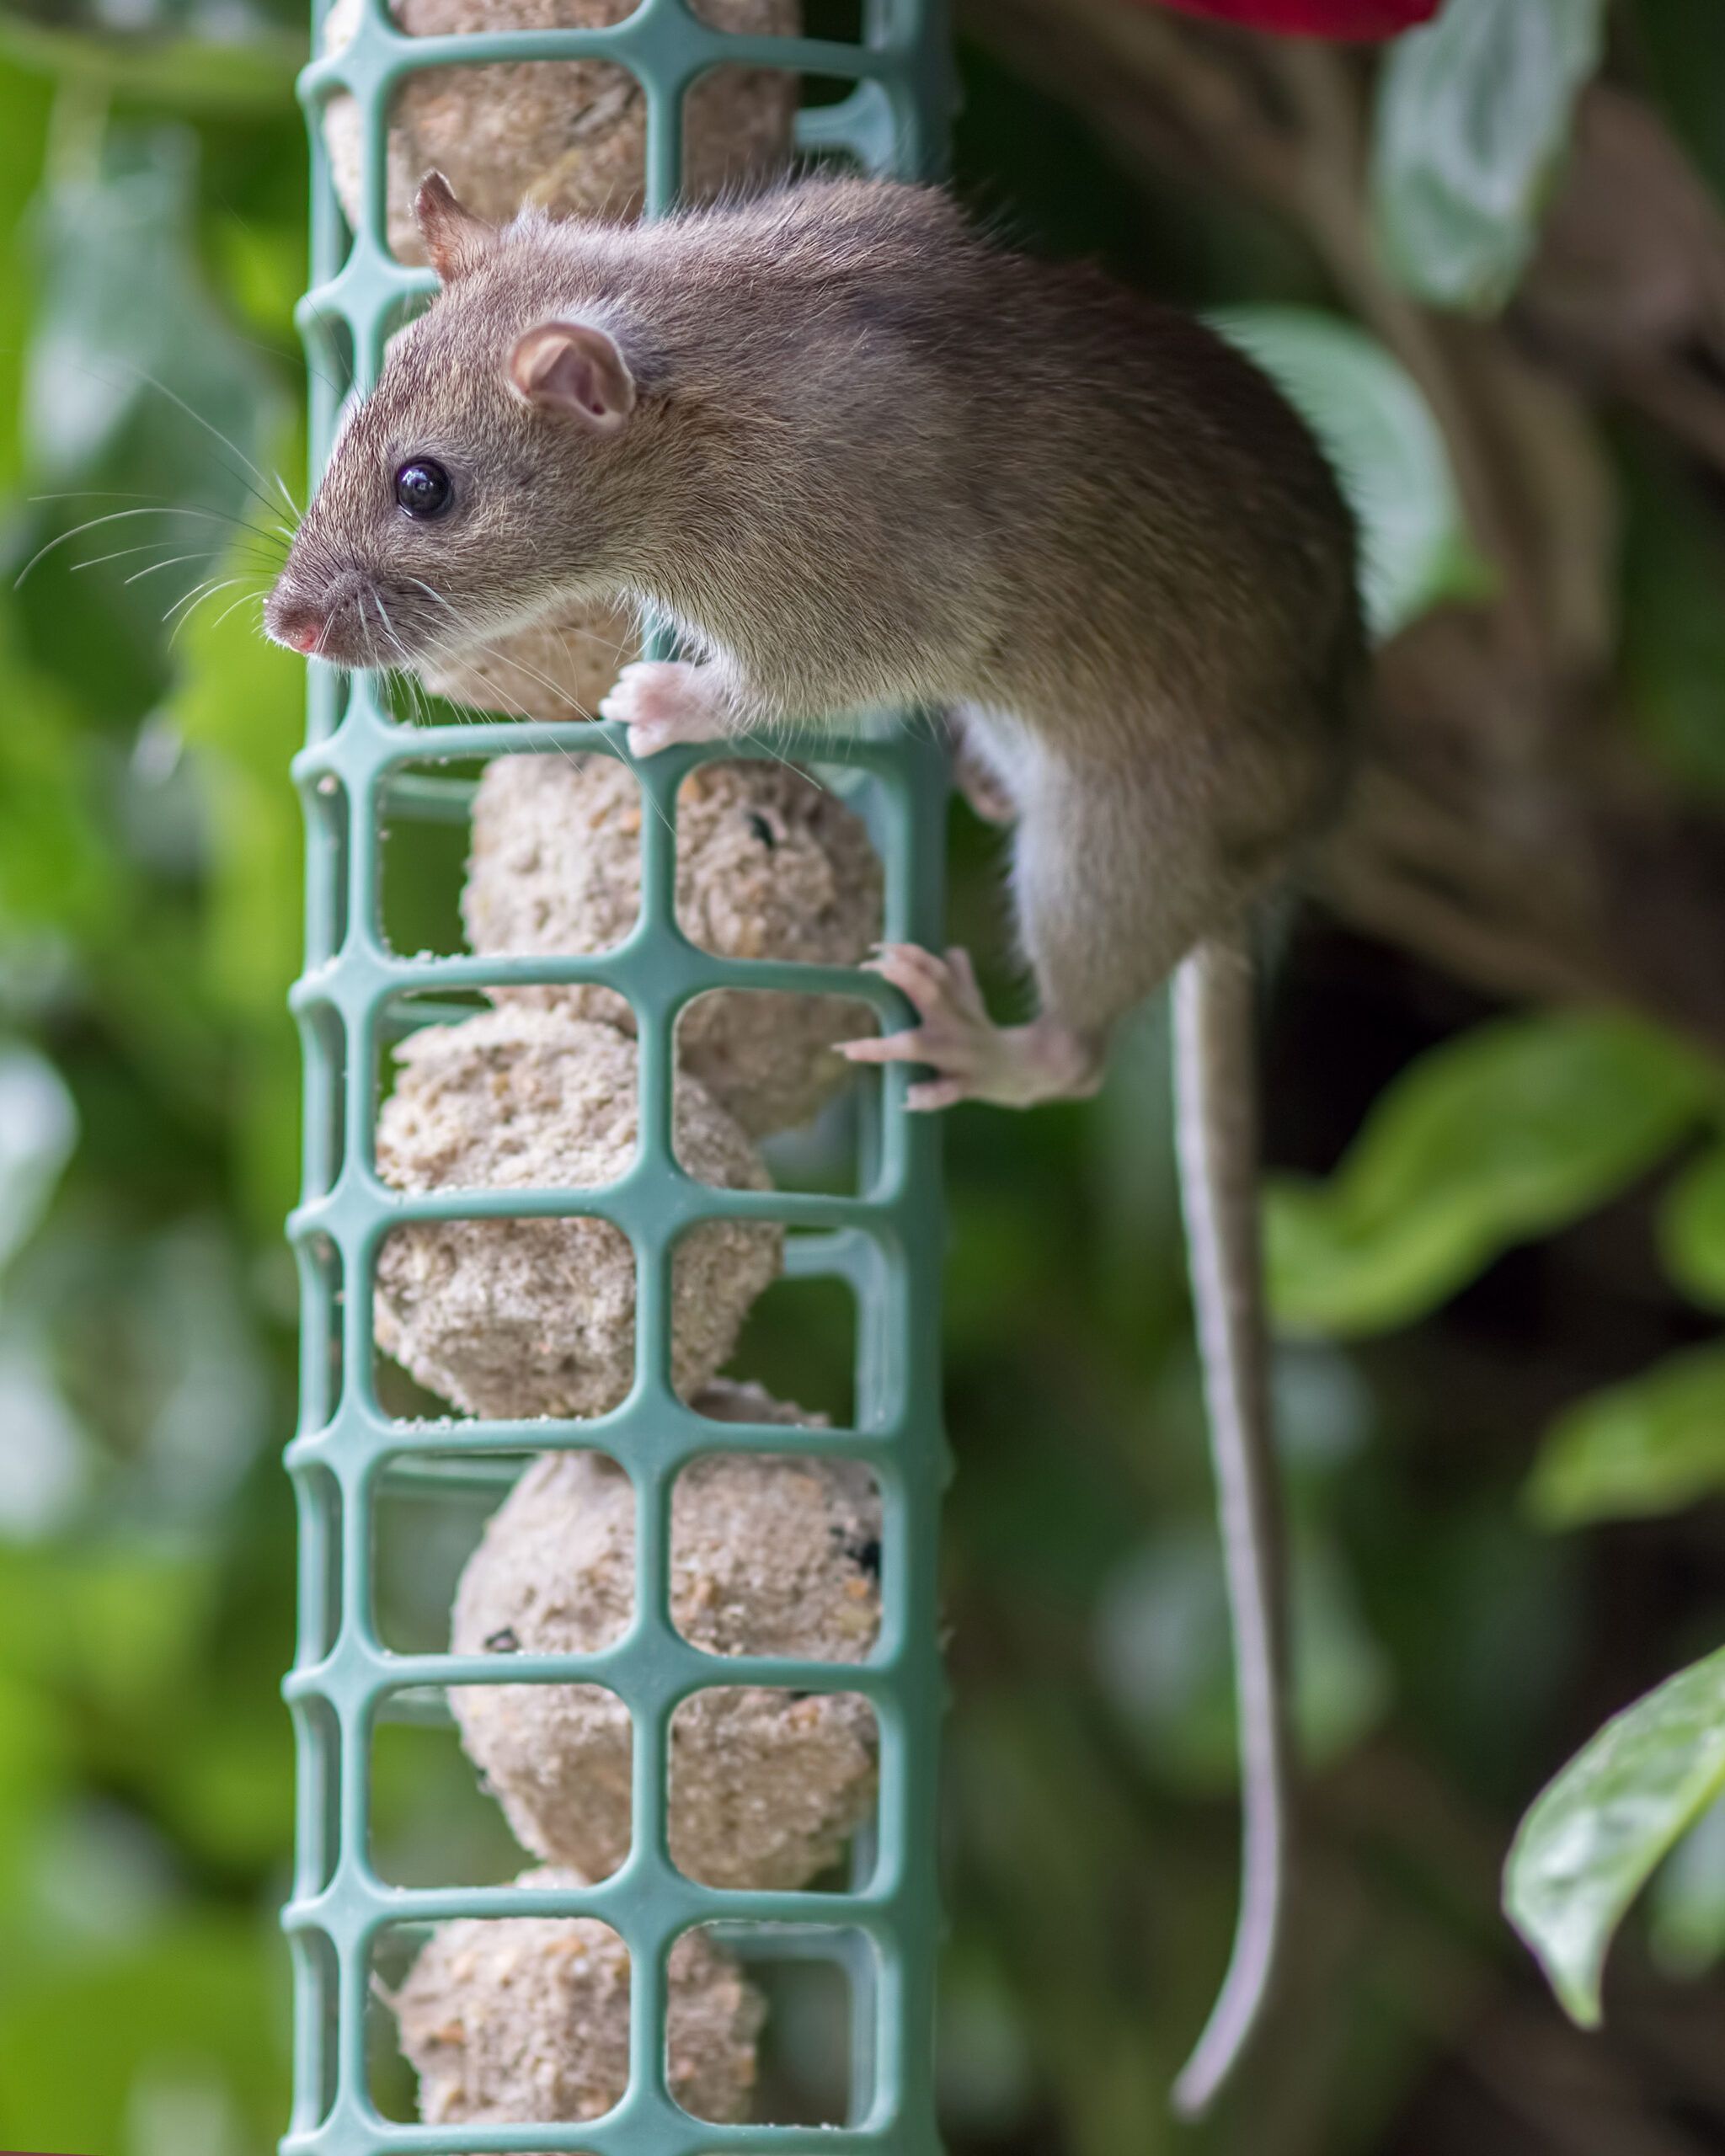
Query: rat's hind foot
[(663, 701), (1015, 1066)]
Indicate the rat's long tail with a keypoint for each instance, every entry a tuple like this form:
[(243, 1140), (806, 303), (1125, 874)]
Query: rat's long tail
[(1216, 1128)]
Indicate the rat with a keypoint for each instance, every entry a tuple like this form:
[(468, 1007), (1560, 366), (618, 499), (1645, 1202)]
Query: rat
[(858, 451)]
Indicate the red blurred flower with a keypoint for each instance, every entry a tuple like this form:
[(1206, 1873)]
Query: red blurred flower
[(1335, 18)]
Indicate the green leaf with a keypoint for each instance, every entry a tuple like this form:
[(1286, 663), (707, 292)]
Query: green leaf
[(1593, 1837), (1651, 1446), (1386, 448), (1472, 115), (1692, 1229), (1686, 1909), (1503, 1135)]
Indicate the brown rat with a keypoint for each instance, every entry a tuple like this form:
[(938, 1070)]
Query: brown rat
[(859, 453)]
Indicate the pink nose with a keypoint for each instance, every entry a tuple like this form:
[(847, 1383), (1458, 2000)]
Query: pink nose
[(292, 621)]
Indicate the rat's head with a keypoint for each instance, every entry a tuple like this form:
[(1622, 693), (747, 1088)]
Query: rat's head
[(488, 476)]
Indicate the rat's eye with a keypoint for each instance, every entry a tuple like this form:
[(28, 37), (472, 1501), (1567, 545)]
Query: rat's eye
[(424, 489)]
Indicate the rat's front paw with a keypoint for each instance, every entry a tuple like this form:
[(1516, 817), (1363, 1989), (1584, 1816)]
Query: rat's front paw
[(663, 701)]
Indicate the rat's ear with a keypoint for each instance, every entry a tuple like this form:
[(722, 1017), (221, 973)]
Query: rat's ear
[(574, 370), (454, 237)]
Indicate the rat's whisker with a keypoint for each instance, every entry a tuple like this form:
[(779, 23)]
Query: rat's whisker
[(185, 596), (397, 674), (797, 770), (496, 695), (419, 710), (613, 647), (160, 502), (149, 547), (209, 592), (437, 598), (491, 688), (114, 516), (209, 427), (541, 728), (534, 673), (172, 562), (494, 652), (191, 598), (159, 506), (507, 658), (616, 646), (295, 354), (513, 659), (245, 599)]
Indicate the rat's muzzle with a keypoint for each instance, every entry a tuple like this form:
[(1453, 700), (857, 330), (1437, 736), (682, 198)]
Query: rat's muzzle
[(301, 628), (331, 625)]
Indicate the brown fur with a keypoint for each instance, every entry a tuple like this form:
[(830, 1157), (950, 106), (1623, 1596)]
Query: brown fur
[(862, 454), (878, 457)]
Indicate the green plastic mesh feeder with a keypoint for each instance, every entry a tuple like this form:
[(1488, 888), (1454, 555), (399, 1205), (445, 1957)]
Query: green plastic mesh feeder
[(363, 769)]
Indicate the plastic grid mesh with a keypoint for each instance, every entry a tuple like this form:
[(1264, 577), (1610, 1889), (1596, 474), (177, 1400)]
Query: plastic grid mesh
[(886, 1243)]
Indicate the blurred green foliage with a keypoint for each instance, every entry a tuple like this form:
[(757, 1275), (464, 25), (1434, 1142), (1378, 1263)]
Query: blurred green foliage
[(1473, 118), (1432, 1261), (149, 877), (1592, 1841), (1380, 436), (1506, 1133), (1692, 1229), (1652, 1445)]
